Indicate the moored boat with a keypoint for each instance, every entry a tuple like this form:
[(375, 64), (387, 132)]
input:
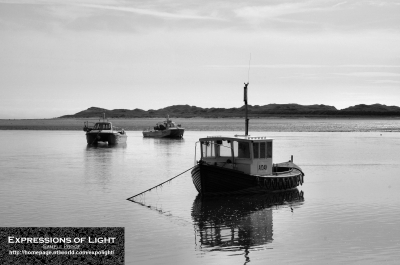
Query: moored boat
[(104, 131), (165, 129), (242, 164)]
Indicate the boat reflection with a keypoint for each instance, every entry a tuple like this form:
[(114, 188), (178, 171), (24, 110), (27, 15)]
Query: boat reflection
[(100, 162), (238, 222), (101, 145), (164, 141)]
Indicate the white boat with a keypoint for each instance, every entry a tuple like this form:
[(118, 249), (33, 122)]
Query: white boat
[(104, 131), (242, 164), (165, 129)]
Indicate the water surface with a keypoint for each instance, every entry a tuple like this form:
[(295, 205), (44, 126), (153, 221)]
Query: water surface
[(349, 211)]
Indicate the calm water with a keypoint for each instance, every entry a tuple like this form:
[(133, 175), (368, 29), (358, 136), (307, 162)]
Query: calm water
[(349, 212)]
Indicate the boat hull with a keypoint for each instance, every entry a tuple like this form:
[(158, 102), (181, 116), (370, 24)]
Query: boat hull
[(168, 133), (110, 138), (213, 180)]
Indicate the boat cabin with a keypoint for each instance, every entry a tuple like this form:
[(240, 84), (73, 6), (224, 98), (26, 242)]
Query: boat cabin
[(251, 155), (166, 125), (104, 126)]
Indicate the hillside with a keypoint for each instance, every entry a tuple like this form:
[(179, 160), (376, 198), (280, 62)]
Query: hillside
[(292, 109)]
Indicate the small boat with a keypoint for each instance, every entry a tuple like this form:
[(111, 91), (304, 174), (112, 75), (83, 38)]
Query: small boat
[(104, 131), (242, 164), (165, 129)]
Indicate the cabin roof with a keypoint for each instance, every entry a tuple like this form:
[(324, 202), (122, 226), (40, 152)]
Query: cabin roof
[(103, 122), (245, 138)]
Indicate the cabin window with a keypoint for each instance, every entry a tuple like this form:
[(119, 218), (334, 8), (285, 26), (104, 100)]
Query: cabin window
[(208, 149), (262, 150), (255, 150), (225, 149), (102, 126), (241, 149), (269, 149)]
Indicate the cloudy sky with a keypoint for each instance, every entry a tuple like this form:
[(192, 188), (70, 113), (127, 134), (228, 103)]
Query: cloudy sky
[(59, 57)]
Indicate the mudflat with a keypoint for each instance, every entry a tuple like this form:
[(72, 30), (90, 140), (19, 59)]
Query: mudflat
[(132, 124), (272, 124), (68, 124)]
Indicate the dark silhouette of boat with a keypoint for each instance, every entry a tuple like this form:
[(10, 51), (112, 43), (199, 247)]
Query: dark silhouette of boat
[(165, 129), (242, 164), (104, 131)]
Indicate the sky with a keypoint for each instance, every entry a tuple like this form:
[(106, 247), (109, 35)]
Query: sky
[(59, 57)]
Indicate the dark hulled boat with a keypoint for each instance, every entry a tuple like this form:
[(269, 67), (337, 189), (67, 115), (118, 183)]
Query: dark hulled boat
[(104, 131), (166, 129), (242, 164)]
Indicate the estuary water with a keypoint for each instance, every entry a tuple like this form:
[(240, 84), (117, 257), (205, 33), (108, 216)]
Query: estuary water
[(347, 211)]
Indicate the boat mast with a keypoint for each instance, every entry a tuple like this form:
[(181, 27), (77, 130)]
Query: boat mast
[(245, 103)]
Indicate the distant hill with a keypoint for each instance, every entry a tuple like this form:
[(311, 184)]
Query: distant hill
[(292, 109), (375, 108)]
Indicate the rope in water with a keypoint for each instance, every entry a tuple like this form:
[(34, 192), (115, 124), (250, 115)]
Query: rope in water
[(130, 198)]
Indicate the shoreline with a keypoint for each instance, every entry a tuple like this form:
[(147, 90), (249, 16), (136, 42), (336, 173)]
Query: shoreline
[(288, 124)]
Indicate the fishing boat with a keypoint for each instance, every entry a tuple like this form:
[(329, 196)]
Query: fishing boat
[(165, 129), (104, 131), (242, 164)]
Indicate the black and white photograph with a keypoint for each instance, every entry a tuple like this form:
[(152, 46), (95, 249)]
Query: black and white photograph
[(199, 132)]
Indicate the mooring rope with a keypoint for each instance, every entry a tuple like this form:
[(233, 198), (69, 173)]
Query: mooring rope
[(130, 198)]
